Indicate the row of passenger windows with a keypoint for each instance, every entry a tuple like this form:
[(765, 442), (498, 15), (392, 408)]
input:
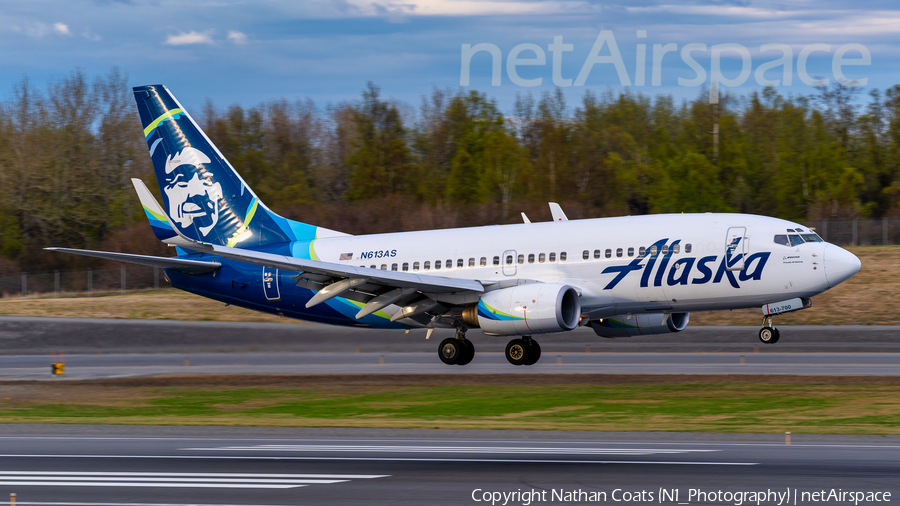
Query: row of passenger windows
[(540, 257), (460, 263), (642, 251)]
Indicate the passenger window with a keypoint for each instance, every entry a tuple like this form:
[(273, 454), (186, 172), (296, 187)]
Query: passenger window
[(608, 253), (509, 259), (687, 248), (541, 258), (642, 251), (676, 249), (471, 262), (665, 249), (405, 266), (619, 253), (372, 267), (552, 257), (521, 259), (459, 263), (596, 253), (496, 260), (437, 264), (415, 266), (586, 254), (562, 256), (795, 240), (631, 252), (483, 261), (531, 258), (782, 239), (449, 263), (393, 267), (427, 265), (384, 267), (653, 250)]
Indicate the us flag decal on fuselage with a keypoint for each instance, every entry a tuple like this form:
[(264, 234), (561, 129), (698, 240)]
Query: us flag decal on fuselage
[(346, 256)]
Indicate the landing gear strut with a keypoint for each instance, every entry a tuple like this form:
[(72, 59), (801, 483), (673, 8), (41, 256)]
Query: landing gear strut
[(768, 333), (456, 350), (524, 351)]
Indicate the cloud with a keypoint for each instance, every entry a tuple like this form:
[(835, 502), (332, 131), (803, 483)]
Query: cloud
[(237, 37), (87, 34), (61, 29), (191, 37)]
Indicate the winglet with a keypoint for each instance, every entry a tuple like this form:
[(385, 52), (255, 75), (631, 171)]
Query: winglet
[(557, 212)]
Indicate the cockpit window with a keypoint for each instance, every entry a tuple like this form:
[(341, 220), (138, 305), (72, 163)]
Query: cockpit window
[(811, 237), (796, 240), (782, 239)]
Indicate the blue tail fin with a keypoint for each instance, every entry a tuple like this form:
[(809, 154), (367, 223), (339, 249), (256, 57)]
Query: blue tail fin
[(202, 193)]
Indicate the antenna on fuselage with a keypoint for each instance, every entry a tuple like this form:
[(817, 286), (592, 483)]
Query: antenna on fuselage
[(525, 218)]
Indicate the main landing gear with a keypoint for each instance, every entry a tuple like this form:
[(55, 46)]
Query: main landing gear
[(456, 350), (524, 351), (768, 333)]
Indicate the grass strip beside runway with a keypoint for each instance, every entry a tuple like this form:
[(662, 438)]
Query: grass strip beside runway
[(800, 404)]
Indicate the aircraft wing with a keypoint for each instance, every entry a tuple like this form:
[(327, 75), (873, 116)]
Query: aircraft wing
[(377, 288), (177, 264)]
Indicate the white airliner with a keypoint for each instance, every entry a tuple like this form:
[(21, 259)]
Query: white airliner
[(625, 276)]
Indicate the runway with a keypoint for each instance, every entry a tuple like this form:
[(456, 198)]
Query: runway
[(82, 367), (37, 335), (217, 466)]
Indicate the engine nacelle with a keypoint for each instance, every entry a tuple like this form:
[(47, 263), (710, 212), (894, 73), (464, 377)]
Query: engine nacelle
[(641, 324), (533, 308)]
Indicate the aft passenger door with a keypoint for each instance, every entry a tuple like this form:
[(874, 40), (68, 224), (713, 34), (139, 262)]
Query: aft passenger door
[(509, 262), (736, 248), (271, 284)]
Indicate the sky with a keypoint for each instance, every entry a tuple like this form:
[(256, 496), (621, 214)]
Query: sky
[(248, 52)]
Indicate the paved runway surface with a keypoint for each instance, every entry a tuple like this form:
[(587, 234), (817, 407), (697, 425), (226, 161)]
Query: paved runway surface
[(339, 467), (32, 335), (37, 367)]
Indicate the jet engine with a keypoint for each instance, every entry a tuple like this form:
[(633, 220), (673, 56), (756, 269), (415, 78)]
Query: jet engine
[(533, 308), (641, 324)]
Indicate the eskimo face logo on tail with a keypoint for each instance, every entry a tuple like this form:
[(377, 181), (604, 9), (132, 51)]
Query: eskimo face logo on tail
[(192, 198)]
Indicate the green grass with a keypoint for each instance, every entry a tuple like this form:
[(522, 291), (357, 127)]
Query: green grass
[(724, 407)]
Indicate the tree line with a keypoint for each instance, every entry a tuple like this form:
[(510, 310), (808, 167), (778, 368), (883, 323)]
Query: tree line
[(68, 151)]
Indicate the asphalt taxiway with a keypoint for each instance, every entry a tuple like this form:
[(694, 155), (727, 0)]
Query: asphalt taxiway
[(237, 466)]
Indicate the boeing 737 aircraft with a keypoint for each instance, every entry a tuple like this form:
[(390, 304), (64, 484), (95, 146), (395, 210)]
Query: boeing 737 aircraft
[(626, 276)]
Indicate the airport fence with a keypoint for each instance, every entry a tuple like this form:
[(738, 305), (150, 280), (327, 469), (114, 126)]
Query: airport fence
[(858, 232), (84, 282)]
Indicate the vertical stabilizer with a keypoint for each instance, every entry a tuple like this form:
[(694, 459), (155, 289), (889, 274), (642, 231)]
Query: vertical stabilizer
[(202, 193)]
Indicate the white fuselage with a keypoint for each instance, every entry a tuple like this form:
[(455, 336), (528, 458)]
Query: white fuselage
[(687, 270)]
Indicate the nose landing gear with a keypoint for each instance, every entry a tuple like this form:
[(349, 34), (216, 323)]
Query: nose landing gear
[(768, 333), (524, 351)]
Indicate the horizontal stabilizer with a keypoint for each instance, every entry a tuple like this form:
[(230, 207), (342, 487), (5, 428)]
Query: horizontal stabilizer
[(176, 264)]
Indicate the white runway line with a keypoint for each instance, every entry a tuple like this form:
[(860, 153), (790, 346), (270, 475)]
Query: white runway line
[(454, 449), (166, 480)]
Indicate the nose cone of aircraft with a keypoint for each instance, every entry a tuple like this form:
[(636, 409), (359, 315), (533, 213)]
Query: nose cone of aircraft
[(840, 264)]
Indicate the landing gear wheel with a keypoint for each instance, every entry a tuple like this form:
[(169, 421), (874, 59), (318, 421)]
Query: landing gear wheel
[(534, 352), (468, 352), (451, 350), (517, 352), (769, 335)]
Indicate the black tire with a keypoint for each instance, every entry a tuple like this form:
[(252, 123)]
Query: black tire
[(769, 335), (450, 350), (516, 352), (534, 353), (468, 352)]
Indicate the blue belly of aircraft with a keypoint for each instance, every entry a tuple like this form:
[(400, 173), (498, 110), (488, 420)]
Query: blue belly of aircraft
[(272, 291)]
